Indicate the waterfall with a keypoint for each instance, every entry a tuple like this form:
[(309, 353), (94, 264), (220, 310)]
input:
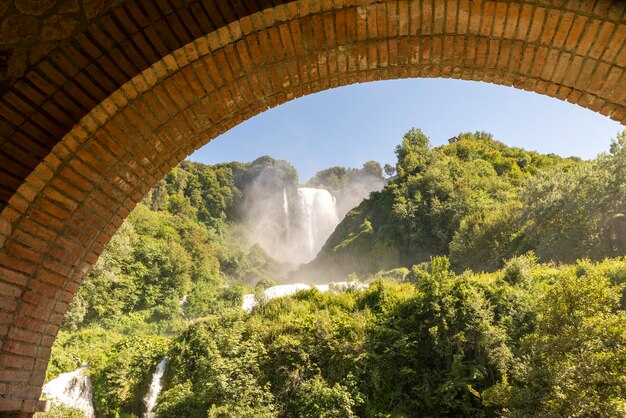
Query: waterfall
[(286, 213), (291, 225), (341, 286), (182, 303), (155, 388), (284, 290), (320, 218), (250, 302), (72, 389)]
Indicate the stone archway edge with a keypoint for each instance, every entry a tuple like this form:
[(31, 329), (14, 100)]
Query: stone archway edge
[(99, 47), (59, 220)]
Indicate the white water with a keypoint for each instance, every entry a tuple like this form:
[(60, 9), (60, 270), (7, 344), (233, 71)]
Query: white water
[(284, 290), (286, 213), (72, 389), (341, 286), (182, 303), (319, 210), (249, 301), (155, 389), (291, 225)]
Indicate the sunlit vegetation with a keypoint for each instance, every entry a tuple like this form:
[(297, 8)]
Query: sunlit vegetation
[(496, 277), (481, 202), (530, 339)]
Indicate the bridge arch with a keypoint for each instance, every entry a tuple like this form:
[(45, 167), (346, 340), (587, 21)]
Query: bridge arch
[(91, 127)]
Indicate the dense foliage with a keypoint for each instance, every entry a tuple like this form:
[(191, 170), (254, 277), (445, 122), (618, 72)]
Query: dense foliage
[(529, 340), (496, 289), (349, 185), (182, 241), (180, 246), (480, 202), (120, 367)]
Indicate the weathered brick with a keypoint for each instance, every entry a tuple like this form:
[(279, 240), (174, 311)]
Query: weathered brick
[(132, 111)]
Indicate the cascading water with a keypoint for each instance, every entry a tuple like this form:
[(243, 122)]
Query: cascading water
[(181, 304), (249, 301), (286, 213), (72, 389), (155, 389), (319, 211), (290, 225)]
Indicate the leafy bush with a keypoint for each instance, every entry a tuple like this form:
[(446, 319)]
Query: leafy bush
[(120, 383), (71, 350), (60, 411)]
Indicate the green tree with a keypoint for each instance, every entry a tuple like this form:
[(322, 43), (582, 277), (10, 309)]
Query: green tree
[(389, 170), (222, 363), (121, 382), (372, 169), (60, 411), (439, 348), (577, 354), (413, 153), (315, 398)]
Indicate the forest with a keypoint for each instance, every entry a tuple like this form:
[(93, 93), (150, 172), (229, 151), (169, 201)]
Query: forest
[(496, 288)]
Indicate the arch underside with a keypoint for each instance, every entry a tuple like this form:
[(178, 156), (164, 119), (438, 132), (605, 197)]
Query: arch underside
[(66, 197)]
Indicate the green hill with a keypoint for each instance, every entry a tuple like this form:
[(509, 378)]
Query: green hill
[(480, 202), (529, 339)]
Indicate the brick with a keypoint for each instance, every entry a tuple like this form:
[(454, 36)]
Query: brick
[(9, 405), (20, 348), (13, 277), (8, 303), (31, 324), (575, 32), (128, 129), (24, 335), (601, 41), (30, 240), (9, 290)]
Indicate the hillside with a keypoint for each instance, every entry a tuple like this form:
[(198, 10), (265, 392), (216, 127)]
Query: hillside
[(203, 235), (503, 344), (480, 202), (427, 336)]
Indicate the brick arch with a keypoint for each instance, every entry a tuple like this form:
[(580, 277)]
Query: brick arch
[(62, 213)]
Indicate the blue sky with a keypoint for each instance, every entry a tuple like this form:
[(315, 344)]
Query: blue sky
[(350, 125)]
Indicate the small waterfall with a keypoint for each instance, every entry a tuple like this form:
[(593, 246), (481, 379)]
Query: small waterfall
[(155, 389), (320, 218), (181, 304), (72, 389), (250, 302)]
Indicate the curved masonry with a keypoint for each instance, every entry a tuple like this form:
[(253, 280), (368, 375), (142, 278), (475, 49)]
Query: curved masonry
[(131, 90)]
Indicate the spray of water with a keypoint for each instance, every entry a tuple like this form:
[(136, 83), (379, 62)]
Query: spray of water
[(319, 209), (249, 300), (292, 224), (286, 214), (72, 389), (154, 390)]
